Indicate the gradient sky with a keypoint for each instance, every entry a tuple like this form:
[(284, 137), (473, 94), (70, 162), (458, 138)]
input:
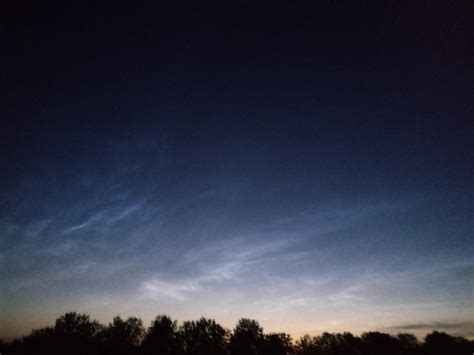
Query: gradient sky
[(309, 168)]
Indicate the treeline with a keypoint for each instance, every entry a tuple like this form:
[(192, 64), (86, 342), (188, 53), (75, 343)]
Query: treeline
[(74, 334)]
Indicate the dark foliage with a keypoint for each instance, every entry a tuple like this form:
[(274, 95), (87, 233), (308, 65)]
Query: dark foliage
[(203, 337), (122, 337), (276, 344), (77, 334), (438, 343), (332, 344), (72, 334), (162, 338), (247, 337)]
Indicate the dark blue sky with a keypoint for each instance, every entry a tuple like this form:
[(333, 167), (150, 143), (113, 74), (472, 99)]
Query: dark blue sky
[(308, 167)]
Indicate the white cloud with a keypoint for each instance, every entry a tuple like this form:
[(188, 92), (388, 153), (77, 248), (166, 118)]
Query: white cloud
[(106, 217), (156, 288)]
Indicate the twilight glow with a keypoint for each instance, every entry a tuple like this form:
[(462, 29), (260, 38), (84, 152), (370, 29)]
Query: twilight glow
[(258, 176)]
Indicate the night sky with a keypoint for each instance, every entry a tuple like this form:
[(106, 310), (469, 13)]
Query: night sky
[(309, 167)]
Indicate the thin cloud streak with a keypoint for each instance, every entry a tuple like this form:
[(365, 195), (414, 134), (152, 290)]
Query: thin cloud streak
[(458, 328), (107, 217), (279, 268), (236, 257)]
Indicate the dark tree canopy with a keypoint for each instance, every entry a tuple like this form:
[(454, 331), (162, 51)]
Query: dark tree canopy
[(375, 342), (122, 337), (276, 344), (329, 343), (73, 333), (247, 337), (76, 325), (203, 337), (437, 343), (76, 334), (162, 337)]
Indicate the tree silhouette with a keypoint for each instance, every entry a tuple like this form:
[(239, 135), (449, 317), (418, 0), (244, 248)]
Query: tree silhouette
[(77, 334), (306, 346), (72, 334), (328, 343), (408, 344), (276, 344), (437, 343), (122, 337), (375, 342), (40, 341), (162, 337), (3, 347), (349, 344), (203, 337), (247, 337), (76, 325)]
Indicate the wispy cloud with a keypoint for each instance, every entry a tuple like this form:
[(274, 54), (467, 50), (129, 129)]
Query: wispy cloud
[(96, 218), (218, 262), (157, 288), (107, 217), (291, 265), (460, 328), (125, 213), (347, 296)]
